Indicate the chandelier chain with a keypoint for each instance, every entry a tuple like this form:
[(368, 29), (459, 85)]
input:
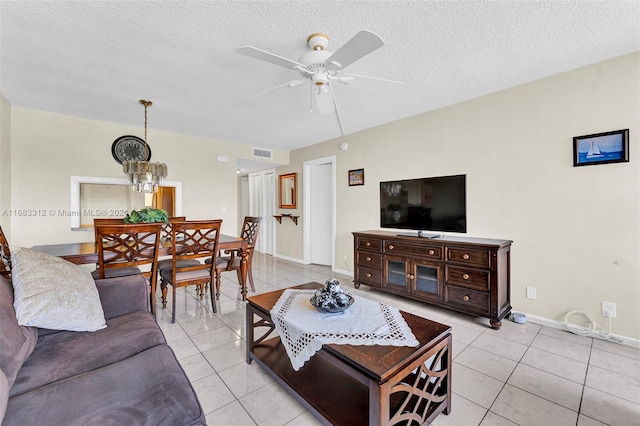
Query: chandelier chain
[(146, 104)]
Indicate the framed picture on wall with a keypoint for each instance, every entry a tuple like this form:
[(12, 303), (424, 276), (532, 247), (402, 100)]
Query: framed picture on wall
[(601, 148), (356, 177)]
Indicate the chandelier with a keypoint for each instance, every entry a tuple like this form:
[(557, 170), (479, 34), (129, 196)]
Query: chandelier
[(145, 176), (392, 189)]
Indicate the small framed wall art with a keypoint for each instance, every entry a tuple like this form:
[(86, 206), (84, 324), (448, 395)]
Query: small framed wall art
[(356, 177), (601, 148)]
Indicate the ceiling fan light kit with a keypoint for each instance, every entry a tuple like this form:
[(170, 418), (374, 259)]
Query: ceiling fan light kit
[(320, 67)]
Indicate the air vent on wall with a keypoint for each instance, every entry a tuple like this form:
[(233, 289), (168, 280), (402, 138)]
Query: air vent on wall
[(262, 153)]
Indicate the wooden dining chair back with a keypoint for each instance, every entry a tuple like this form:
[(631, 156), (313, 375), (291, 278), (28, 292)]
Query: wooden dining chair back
[(166, 228), (167, 263), (5, 257), (124, 248), (109, 221), (250, 230), (191, 240), (114, 272)]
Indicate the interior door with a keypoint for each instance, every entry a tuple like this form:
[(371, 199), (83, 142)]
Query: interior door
[(262, 203), (320, 214)]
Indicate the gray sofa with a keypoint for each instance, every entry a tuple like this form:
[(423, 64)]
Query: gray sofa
[(124, 374)]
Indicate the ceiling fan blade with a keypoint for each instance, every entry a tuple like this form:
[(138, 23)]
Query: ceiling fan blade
[(359, 46), (375, 78), (323, 100), (263, 55), (293, 83)]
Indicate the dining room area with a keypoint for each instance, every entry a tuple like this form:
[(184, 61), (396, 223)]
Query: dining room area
[(174, 252)]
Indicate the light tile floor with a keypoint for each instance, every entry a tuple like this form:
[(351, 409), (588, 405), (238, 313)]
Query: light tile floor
[(523, 374)]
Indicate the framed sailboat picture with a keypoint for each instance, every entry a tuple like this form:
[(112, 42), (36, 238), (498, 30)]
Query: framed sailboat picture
[(601, 148)]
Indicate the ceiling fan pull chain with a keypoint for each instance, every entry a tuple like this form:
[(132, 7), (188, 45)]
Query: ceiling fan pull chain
[(335, 104)]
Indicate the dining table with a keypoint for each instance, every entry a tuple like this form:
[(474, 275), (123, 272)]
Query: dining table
[(84, 253)]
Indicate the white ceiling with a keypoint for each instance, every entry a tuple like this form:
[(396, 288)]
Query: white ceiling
[(95, 59)]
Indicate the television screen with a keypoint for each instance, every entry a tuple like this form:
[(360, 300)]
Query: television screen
[(433, 204)]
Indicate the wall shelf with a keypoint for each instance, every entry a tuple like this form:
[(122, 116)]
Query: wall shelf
[(280, 216)]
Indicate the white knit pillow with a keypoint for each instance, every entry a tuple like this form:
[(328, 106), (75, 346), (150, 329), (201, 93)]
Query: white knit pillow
[(50, 292)]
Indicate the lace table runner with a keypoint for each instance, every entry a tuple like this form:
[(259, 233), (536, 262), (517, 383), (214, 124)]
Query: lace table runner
[(304, 329)]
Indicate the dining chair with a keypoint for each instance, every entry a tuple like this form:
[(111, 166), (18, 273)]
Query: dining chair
[(5, 257), (166, 228), (167, 263), (123, 248), (191, 240), (115, 272), (250, 228)]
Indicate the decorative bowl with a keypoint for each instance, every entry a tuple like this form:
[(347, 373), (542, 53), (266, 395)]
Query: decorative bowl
[(332, 306)]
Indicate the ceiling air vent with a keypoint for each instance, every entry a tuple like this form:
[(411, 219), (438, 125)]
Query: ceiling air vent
[(262, 153)]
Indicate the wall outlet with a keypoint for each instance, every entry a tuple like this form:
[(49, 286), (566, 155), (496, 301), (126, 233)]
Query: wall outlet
[(531, 292), (608, 309)]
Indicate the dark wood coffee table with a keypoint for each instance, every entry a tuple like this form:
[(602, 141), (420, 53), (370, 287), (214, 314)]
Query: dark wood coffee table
[(359, 385)]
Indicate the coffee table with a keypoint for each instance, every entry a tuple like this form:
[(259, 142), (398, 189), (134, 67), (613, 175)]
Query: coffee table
[(359, 385)]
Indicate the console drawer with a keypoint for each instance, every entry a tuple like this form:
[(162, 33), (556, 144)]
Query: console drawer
[(370, 244), (371, 260), (471, 300), (471, 257), (466, 277), (369, 276), (432, 252)]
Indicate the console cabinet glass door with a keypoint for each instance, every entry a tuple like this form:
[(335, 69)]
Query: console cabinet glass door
[(427, 279), (396, 276)]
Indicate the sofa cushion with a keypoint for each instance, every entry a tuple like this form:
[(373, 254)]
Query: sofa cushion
[(4, 395), (53, 293), (16, 341), (149, 388), (66, 353)]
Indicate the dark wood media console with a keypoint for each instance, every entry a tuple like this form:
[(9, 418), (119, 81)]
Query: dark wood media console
[(470, 275)]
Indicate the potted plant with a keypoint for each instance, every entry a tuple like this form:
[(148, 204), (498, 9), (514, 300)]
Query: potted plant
[(147, 215)]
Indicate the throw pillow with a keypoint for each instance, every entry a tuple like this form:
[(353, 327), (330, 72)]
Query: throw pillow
[(16, 342), (50, 292)]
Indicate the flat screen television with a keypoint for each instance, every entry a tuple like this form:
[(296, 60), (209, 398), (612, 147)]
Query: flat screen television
[(426, 204)]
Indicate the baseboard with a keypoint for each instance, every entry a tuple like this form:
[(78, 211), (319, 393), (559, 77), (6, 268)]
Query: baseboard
[(343, 272), (290, 259), (628, 341)]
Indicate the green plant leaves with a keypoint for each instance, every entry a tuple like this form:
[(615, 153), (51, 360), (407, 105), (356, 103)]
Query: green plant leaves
[(147, 215)]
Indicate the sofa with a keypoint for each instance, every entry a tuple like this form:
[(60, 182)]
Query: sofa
[(122, 374)]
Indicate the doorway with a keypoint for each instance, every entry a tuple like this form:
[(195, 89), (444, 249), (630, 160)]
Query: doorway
[(319, 211), (262, 202)]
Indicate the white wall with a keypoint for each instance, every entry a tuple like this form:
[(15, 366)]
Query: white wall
[(576, 230), (5, 166), (47, 148)]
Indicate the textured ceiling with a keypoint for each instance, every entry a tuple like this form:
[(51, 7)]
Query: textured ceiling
[(95, 59)]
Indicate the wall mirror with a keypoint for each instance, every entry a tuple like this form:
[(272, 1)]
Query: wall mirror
[(102, 197), (287, 191)]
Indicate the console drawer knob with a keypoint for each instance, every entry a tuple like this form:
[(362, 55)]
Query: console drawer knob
[(465, 298), (432, 252), (465, 256), (369, 275), (367, 244), (390, 246), (368, 258), (465, 276)]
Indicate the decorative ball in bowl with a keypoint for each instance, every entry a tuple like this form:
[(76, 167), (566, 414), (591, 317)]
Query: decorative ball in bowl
[(331, 298)]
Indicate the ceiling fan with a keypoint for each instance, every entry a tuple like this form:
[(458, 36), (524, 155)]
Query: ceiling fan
[(321, 67)]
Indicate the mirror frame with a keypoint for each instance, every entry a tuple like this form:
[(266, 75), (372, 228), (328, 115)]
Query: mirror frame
[(75, 195), (281, 181)]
